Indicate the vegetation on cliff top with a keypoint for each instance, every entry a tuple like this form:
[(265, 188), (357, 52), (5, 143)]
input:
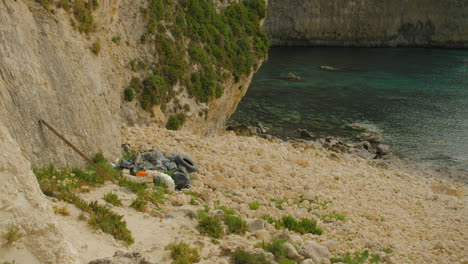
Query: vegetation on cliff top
[(200, 46)]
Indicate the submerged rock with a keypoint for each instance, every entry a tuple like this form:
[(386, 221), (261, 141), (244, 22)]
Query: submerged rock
[(303, 133), (293, 77), (329, 68)]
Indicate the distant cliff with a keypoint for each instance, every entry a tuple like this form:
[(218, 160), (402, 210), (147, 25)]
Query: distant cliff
[(370, 23)]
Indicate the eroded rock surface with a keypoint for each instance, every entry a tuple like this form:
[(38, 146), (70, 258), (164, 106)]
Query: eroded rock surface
[(368, 23)]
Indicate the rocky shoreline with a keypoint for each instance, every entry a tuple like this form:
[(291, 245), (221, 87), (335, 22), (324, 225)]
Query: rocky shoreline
[(368, 145)]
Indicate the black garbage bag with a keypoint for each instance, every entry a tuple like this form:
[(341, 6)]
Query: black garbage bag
[(125, 164), (181, 178), (154, 157)]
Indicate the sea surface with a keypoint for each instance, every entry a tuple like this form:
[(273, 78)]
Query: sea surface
[(416, 98)]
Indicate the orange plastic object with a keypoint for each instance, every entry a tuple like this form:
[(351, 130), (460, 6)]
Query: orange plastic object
[(141, 173)]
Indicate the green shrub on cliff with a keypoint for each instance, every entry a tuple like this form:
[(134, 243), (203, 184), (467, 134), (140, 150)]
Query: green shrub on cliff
[(83, 14), (129, 94), (216, 42), (45, 4), (65, 4), (96, 48), (155, 91), (175, 122)]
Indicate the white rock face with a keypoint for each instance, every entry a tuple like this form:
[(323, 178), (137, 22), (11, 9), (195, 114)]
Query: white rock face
[(23, 204)]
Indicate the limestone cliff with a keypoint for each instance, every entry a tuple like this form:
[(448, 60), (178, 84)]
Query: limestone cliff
[(23, 205), (47, 71), (368, 23)]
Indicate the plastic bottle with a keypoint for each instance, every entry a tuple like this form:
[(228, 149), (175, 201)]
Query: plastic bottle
[(166, 180)]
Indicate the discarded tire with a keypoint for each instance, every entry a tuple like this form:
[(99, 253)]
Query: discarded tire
[(187, 163)]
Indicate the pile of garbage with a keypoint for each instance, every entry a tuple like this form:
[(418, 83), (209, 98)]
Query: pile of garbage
[(153, 167)]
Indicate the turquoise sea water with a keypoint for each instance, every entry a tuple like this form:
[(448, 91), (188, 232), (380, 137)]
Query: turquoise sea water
[(417, 98)]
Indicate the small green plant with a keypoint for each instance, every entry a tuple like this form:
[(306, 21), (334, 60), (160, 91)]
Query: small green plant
[(305, 225), (387, 250), (128, 156), (139, 204), (209, 225), (226, 210), (82, 217), (276, 248), (12, 234), (112, 198), (96, 48), (45, 4), (374, 258), (329, 217), (235, 225), (65, 4), (182, 253), (193, 201), (137, 65), (254, 205), (268, 218), (9, 262), (136, 84), (318, 203), (279, 202), (105, 165), (175, 122), (129, 94), (242, 257), (116, 39), (286, 261), (61, 210)]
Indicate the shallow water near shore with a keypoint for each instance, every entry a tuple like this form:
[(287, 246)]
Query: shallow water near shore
[(417, 98)]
